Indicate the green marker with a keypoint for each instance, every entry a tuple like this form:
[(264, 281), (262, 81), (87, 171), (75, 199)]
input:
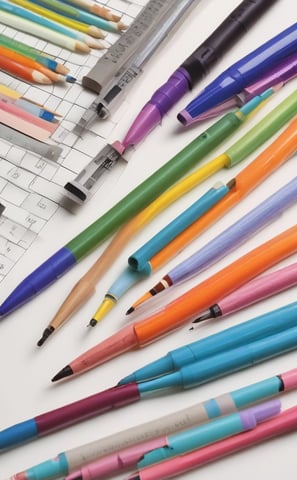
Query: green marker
[(141, 196)]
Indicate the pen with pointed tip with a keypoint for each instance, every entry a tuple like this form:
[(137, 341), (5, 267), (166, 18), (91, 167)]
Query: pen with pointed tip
[(258, 289), (185, 307)]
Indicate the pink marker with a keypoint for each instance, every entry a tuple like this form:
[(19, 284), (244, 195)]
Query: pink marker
[(285, 422), (254, 291)]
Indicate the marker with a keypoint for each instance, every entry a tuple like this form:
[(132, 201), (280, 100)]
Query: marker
[(130, 275), (140, 262), (178, 443), (124, 210), (254, 291), (173, 315), (238, 152), (224, 404), (100, 107), (256, 172), (284, 423), (267, 211), (195, 67), (279, 75), (241, 74), (272, 325)]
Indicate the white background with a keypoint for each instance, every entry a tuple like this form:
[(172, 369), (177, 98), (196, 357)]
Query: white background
[(25, 370)]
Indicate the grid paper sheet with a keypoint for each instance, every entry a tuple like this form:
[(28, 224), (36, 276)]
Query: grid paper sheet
[(31, 188)]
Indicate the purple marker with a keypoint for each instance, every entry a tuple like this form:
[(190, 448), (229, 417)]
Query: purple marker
[(194, 68)]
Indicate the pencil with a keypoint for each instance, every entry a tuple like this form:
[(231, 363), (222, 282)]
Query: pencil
[(28, 62), (80, 15), (21, 71), (39, 31), (33, 53), (74, 28), (94, 8)]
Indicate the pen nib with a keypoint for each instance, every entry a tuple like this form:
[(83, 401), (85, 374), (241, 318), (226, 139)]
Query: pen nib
[(47, 332), (65, 372)]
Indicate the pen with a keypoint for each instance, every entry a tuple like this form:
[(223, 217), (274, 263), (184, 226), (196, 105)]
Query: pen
[(254, 291), (226, 403), (53, 21), (241, 74), (81, 15), (140, 263), (88, 34), (100, 108), (285, 71), (173, 315), (194, 68), (178, 443), (269, 341), (253, 139), (31, 52), (269, 325), (130, 276), (95, 8), (282, 424), (24, 25), (135, 201), (268, 160)]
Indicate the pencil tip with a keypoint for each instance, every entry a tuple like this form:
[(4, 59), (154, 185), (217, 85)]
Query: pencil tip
[(65, 372), (203, 317), (47, 332), (130, 310), (70, 79)]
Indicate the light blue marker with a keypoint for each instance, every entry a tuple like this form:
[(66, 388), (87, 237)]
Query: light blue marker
[(211, 432), (259, 327)]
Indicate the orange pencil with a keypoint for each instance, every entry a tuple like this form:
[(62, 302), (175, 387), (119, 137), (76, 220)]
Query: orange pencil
[(28, 62), (22, 71), (184, 308)]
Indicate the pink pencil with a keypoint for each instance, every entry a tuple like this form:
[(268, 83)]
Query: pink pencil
[(28, 117), (285, 422)]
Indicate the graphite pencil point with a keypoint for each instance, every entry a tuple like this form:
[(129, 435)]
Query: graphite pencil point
[(130, 310), (65, 372)]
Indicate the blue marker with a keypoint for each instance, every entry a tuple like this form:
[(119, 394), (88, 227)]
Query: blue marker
[(230, 361), (211, 432), (264, 325), (241, 74)]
